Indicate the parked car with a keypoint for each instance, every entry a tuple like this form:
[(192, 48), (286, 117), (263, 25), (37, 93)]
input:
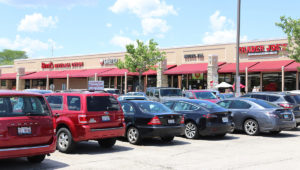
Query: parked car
[(27, 128), (136, 94), (224, 96), (283, 99), (38, 91), (148, 119), (254, 115), (202, 118), (125, 97), (161, 94), (112, 91), (86, 116), (202, 95)]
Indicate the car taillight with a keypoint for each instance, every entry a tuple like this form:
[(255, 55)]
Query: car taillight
[(285, 105), (154, 121), (82, 119), (182, 120), (272, 114), (210, 116)]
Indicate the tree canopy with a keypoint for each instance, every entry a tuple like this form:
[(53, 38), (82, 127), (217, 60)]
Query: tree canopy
[(291, 27), (7, 57), (141, 58)]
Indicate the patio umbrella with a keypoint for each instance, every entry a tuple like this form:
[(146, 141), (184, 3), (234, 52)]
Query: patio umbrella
[(223, 85)]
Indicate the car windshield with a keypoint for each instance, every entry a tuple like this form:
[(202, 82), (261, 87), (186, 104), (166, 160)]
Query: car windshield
[(209, 105), (205, 95), (170, 92), (153, 107), (102, 103), (14, 106), (265, 104), (113, 91), (135, 94)]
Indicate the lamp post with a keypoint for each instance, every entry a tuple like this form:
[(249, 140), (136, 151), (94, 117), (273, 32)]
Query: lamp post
[(237, 75)]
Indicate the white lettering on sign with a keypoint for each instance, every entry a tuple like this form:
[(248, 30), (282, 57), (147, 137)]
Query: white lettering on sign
[(96, 85)]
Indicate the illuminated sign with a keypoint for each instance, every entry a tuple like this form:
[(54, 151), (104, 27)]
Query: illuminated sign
[(263, 50), (61, 65), (109, 61)]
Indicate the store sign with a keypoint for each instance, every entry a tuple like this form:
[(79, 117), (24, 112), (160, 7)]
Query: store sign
[(109, 61), (96, 85), (193, 56), (263, 50), (61, 65)]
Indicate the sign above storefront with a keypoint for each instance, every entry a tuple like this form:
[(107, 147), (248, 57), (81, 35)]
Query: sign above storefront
[(263, 50), (109, 61), (189, 56), (61, 65), (96, 85)]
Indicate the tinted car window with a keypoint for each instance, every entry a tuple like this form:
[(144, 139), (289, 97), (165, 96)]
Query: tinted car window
[(237, 104), (128, 108), (265, 104), (182, 106), (170, 92), (246, 95), (168, 104), (224, 104), (102, 103), (297, 98), (262, 97), (273, 98), (289, 99), (209, 105), (55, 102), (74, 103), (23, 106), (152, 107), (205, 95)]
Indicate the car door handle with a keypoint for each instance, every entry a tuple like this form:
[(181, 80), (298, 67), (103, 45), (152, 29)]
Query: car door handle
[(56, 115)]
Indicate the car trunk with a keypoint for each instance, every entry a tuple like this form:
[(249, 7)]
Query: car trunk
[(169, 119), (218, 117), (284, 114)]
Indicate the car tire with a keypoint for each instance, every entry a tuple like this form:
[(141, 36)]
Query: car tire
[(191, 130), (275, 132), (65, 143), (36, 159), (167, 139), (251, 127), (133, 135), (107, 143)]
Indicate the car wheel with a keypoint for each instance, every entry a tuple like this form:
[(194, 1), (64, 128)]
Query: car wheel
[(275, 132), (191, 131), (36, 159), (251, 127), (107, 143), (133, 136), (167, 139), (65, 141)]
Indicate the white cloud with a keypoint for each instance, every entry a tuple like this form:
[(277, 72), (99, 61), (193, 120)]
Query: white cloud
[(151, 25), (108, 25), (53, 3), (223, 30), (36, 22), (27, 44), (121, 41), (149, 11)]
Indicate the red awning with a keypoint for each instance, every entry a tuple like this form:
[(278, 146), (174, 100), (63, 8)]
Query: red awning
[(42, 75), (153, 72), (91, 72), (190, 68), (292, 67), (117, 72), (11, 76), (270, 66), (231, 67)]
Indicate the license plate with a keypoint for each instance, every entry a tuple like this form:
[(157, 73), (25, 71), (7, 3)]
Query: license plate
[(225, 119), (286, 116), (24, 130), (171, 121), (105, 118)]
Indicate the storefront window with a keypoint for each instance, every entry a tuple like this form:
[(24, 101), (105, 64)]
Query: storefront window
[(106, 81), (27, 84), (272, 82), (253, 80), (289, 81), (225, 78), (197, 81), (3, 83), (152, 81)]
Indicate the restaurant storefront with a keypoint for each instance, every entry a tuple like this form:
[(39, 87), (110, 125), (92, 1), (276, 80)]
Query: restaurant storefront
[(263, 64)]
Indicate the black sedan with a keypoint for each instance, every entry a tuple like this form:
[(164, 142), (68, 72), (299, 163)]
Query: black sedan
[(202, 118), (148, 119)]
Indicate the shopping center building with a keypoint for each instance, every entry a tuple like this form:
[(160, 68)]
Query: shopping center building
[(262, 63)]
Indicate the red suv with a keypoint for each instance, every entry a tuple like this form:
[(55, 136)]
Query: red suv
[(83, 116), (27, 128)]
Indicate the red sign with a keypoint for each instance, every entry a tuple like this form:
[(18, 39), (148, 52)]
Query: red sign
[(61, 65), (262, 50)]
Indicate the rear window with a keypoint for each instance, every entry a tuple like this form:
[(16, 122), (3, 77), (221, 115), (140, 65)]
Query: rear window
[(297, 98), (205, 95), (289, 99), (273, 98), (152, 107), (23, 106), (265, 104), (102, 103)]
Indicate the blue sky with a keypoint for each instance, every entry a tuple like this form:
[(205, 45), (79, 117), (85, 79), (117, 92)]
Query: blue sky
[(74, 27)]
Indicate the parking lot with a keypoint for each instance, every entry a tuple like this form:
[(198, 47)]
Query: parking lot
[(234, 151)]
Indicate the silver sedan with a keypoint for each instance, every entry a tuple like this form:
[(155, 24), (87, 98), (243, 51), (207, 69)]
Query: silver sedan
[(255, 115)]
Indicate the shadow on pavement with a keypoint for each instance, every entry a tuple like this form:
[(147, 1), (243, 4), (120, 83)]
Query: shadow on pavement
[(22, 163), (280, 135), (295, 129), (160, 143), (93, 148), (217, 138)]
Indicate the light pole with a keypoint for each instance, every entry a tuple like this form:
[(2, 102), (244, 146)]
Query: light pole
[(237, 75)]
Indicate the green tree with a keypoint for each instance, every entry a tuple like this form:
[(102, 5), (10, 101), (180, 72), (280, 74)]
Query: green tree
[(7, 57), (291, 27), (141, 58)]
